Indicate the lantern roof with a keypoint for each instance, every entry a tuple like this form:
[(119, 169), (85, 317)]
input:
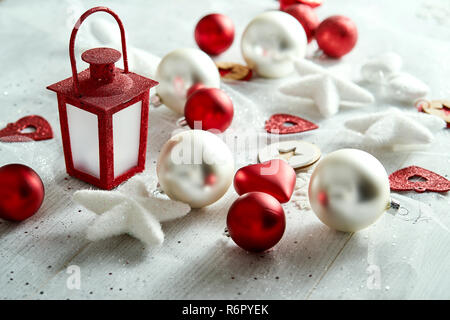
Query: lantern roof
[(104, 96), (101, 56)]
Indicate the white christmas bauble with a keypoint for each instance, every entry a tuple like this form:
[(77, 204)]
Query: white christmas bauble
[(195, 167), (349, 190), (179, 70), (271, 43)]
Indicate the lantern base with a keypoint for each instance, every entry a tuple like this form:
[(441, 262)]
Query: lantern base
[(105, 185)]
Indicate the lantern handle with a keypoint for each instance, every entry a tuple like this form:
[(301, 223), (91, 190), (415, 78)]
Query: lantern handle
[(73, 62)]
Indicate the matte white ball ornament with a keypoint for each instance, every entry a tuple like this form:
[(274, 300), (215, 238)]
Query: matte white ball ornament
[(271, 43), (195, 167), (179, 70), (349, 190)]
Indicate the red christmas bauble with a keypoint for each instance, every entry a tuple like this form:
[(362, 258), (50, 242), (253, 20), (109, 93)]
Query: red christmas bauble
[(194, 88), (214, 33), (311, 3), (212, 107), (306, 16), (21, 192), (256, 221), (275, 177), (336, 36)]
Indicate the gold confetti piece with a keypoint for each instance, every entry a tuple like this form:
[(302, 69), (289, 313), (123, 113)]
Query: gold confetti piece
[(440, 108), (234, 71)]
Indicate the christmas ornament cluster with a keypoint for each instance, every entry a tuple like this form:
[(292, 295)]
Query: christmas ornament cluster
[(256, 220), (273, 40), (336, 35), (103, 113)]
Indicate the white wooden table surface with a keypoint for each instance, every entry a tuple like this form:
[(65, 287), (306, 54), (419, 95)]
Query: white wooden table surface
[(404, 255)]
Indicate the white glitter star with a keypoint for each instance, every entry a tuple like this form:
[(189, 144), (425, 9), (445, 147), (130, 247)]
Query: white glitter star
[(132, 209), (325, 89), (385, 69), (394, 127)]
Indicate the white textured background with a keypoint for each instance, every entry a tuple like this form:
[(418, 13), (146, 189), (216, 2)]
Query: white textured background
[(411, 249)]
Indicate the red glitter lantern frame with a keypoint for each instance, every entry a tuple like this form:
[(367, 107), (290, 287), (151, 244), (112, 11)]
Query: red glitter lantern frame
[(102, 90)]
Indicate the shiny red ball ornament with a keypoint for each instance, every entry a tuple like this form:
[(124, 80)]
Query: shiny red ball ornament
[(194, 88), (311, 3), (214, 33), (336, 36), (212, 107), (21, 192), (306, 16), (256, 221), (275, 177)]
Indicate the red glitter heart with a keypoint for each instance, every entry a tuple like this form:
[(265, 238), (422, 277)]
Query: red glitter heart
[(401, 180), (13, 131), (277, 123)]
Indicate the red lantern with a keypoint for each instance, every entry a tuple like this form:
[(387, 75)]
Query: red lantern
[(103, 113)]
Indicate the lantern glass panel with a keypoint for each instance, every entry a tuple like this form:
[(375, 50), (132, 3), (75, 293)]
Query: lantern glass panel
[(84, 142), (126, 137)]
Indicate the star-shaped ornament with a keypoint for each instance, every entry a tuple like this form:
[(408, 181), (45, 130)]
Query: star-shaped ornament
[(385, 70), (133, 208), (328, 91), (394, 127)]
